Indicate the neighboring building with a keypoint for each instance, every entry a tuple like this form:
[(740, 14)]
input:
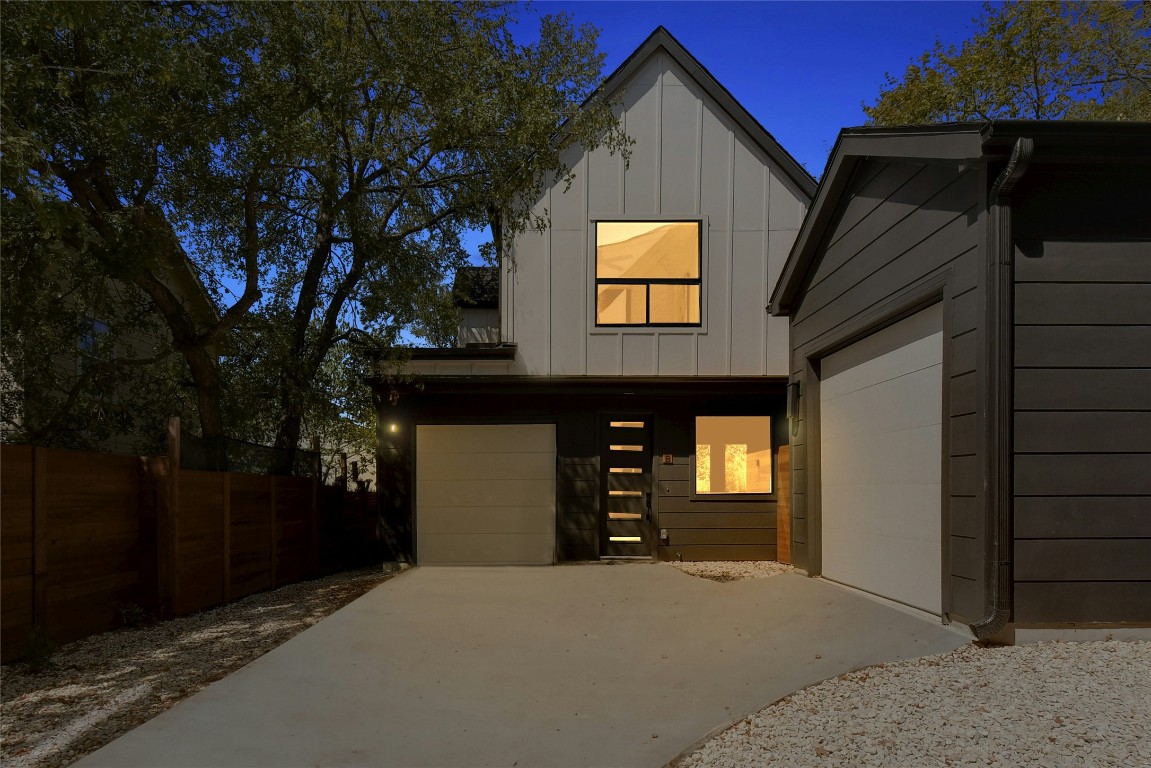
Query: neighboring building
[(970, 313), (625, 395)]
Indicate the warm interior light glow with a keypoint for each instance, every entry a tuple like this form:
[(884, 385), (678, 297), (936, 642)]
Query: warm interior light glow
[(625, 493), (624, 515), (626, 424), (625, 471), (703, 468), (626, 447), (624, 538), (744, 442)]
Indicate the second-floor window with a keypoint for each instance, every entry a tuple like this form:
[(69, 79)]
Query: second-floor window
[(647, 273)]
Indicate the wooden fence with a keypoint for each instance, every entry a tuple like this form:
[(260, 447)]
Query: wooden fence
[(85, 535)]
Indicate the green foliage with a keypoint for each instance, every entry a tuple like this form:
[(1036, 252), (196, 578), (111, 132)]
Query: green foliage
[(39, 649), (283, 183), (132, 615), (1039, 60)]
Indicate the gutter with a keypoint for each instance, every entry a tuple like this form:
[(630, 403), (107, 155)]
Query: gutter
[(1001, 359)]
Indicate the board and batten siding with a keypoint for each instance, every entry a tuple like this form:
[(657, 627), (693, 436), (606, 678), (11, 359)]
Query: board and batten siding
[(902, 225), (1082, 497), (690, 160)]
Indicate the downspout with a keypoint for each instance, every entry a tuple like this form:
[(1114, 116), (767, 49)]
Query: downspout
[(1001, 361)]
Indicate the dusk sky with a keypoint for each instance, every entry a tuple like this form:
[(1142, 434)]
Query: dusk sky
[(803, 69)]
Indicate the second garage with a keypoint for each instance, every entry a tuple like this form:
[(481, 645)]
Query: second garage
[(881, 408)]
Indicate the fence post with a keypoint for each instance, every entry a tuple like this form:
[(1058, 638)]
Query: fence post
[(314, 551), (272, 555), (168, 523), (227, 575), (39, 537)]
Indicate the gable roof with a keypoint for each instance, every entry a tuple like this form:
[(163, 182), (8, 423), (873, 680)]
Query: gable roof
[(1079, 141), (661, 39)]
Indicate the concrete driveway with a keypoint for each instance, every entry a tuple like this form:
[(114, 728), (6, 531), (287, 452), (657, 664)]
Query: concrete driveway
[(587, 665)]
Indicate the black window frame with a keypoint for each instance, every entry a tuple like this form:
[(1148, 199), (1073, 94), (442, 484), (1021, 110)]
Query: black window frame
[(647, 282)]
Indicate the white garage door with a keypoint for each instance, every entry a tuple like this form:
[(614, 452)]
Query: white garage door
[(881, 405), (485, 494)]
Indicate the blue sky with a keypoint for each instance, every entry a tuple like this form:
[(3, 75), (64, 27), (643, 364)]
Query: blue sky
[(801, 68)]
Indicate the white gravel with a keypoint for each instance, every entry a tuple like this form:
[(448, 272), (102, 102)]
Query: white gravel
[(732, 570), (1050, 705), (103, 686)]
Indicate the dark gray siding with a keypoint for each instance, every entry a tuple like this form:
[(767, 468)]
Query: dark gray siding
[(1083, 397), (698, 529), (706, 529), (904, 230)]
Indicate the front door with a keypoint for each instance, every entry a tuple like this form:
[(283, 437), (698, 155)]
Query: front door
[(625, 485)]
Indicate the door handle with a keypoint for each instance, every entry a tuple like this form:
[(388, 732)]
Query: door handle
[(647, 512)]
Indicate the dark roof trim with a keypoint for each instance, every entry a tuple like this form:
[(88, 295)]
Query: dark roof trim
[(661, 38), (1082, 141), (501, 352), (640, 387)]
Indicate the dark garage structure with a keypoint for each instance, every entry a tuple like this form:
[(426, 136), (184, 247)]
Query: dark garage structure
[(970, 397)]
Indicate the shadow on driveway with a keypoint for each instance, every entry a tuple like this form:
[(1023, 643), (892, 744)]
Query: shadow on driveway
[(595, 665)]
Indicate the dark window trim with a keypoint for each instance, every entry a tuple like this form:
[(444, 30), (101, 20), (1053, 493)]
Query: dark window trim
[(649, 281)]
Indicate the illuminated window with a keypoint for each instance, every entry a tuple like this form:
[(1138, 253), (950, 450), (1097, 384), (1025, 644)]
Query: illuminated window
[(647, 272), (732, 454)]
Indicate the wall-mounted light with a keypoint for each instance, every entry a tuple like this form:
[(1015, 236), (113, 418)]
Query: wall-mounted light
[(393, 427), (793, 395)]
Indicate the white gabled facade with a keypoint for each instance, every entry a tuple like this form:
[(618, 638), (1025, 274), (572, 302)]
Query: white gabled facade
[(693, 159)]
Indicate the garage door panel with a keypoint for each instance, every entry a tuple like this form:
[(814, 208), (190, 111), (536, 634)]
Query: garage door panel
[(898, 508), (485, 494), (891, 458), (880, 462), (901, 346), (486, 549), (871, 567), (486, 438), (487, 466), (482, 493), (912, 400), (486, 520)]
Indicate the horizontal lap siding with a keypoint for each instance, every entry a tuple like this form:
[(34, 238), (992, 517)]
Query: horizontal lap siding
[(1082, 425), (699, 529), (900, 224)]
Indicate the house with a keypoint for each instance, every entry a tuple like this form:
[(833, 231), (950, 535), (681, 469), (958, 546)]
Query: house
[(970, 310), (623, 393)]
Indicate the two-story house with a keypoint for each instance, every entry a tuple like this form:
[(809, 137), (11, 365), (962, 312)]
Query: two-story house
[(619, 388)]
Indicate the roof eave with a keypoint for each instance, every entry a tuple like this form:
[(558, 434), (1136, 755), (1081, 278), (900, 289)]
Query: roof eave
[(945, 144), (661, 38)]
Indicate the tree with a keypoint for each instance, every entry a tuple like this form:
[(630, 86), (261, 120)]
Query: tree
[(112, 114), (325, 157), (1038, 60)]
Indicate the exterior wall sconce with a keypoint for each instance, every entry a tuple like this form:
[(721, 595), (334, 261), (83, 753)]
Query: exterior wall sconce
[(793, 393)]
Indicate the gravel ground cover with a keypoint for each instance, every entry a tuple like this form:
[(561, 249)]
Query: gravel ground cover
[(1049, 705), (101, 687), (732, 570)]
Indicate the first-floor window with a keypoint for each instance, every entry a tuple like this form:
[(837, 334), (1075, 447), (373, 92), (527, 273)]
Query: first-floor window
[(732, 454)]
